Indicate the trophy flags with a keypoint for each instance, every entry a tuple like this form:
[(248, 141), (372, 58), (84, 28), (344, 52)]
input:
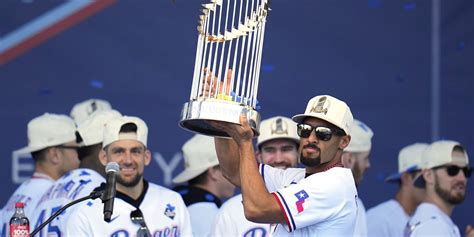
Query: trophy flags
[(227, 65)]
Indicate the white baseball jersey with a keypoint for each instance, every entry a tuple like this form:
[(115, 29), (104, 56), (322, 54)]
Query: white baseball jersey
[(75, 184), (361, 222), (429, 220), (322, 204), (231, 221), (386, 219), (202, 206), (30, 193), (202, 215), (164, 213)]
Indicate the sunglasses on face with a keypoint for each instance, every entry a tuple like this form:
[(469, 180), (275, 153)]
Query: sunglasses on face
[(137, 218), (453, 170), (322, 133)]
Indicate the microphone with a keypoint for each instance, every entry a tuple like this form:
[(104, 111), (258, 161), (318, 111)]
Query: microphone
[(111, 170)]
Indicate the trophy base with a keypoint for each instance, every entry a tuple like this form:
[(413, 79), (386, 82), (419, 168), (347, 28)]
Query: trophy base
[(195, 115)]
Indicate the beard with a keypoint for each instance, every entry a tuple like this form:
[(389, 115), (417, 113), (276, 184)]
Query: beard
[(130, 183), (310, 161), (448, 195)]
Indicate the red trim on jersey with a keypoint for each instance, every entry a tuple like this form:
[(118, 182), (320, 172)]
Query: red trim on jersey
[(338, 164), (283, 210)]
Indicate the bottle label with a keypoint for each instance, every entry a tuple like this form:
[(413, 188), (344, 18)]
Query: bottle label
[(19, 230)]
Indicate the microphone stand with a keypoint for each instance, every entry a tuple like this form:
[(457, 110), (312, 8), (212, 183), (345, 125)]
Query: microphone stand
[(93, 195)]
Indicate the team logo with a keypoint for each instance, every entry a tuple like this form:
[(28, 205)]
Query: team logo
[(301, 196), (279, 127), (322, 106), (169, 211)]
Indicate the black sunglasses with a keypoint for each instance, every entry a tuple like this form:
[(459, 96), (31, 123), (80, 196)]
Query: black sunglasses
[(137, 218), (453, 170), (322, 133)]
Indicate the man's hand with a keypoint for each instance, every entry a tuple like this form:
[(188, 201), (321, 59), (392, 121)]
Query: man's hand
[(240, 133), (211, 86)]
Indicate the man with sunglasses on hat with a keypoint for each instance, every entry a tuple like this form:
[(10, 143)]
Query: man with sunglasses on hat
[(277, 146), (444, 177), (319, 200), (390, 217), (140, 208), (79, 182), (52, 144), (206, 186), (356, 158)]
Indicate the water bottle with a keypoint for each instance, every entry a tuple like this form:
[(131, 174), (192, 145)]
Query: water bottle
[(19, 223)]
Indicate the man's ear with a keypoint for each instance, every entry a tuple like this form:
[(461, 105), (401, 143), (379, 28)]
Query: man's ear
[(428, 175), (258, 156), (103, 157), (344, 141), (147, 157), (52, 154)]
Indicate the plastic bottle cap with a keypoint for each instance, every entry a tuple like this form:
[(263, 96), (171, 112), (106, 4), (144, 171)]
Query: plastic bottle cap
[(19, 205)]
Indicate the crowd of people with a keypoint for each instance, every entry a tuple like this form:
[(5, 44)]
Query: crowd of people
[(300, 178)]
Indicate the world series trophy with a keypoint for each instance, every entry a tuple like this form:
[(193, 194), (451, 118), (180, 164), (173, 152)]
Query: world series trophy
[(227, 66)]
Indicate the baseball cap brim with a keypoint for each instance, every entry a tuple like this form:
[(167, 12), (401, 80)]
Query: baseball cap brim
[(189, 174), (397, 176)]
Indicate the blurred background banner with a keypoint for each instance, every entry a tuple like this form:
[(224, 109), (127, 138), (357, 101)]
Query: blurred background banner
[(404, 67)]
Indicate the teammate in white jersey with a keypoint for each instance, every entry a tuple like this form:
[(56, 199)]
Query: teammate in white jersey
[(444, 177), (278, 147), (140, 208), (390, 217), (52, 144), (206, 186), (319, 200), (356, 158), (77, 183)]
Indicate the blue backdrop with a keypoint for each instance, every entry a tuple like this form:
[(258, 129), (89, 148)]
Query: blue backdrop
[(376, 55)]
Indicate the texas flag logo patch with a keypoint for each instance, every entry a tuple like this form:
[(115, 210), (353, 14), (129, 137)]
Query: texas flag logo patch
[(301, 196)]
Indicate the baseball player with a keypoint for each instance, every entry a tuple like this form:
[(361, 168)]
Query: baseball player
[(278, 147), (206, 186), (52, 144), (319, 200), (444, 177), (140, 208), (356, 158), (390, 217), (77, 183)]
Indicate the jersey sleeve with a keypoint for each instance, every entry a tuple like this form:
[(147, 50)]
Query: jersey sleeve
[(433, 227), (223, 224), (377, 224), (316, 199), (276, 178), (76, 224)]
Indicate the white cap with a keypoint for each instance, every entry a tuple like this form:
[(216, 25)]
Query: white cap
[(277, 127), (330, 109), (84, 109), (92, 129), (49, 130), (199, 154), (361, 137), (409, 160), (113, 126), (440, 153)]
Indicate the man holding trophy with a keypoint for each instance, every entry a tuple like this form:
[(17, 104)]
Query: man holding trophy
[(318, 200)]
